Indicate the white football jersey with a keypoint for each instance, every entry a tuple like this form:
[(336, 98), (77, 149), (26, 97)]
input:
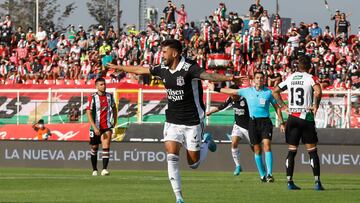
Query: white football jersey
[(300, 94)]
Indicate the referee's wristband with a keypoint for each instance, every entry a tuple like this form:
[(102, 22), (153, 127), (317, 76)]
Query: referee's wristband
[(217, 89)]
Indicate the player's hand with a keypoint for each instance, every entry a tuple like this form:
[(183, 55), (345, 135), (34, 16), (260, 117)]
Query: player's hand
[(314, 109), (208, 113), (97, 131), (282, 128), (113, 66)]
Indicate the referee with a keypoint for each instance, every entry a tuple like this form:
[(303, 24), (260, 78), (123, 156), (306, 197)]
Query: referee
[(258, 99)]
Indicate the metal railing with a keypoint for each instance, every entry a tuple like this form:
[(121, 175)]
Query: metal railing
[(336, 106)]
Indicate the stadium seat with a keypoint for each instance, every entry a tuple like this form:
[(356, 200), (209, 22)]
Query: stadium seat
[(91, 82), (81, 82), (108, 80), (70, 82), (49, 82), (60, 82), (9, 81)]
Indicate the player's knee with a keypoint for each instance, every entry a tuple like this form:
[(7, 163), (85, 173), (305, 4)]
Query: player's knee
[(195, 165), (257, 149)]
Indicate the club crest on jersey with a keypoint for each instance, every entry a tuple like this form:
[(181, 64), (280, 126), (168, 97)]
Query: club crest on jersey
[(242, 103), (180, 81)]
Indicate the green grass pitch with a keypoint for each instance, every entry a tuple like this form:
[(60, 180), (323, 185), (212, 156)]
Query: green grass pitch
[(77, 185)]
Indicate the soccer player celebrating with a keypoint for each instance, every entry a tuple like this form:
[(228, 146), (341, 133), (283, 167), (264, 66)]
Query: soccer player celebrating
[(304, 93), (186, 109), (260, 126), (102, 116), (241, 125)]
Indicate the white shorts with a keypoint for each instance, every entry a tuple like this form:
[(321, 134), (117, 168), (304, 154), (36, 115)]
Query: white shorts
[(189, 136), (238, 131)]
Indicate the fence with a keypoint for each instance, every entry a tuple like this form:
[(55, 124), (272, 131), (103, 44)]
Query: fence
[(24, 106)]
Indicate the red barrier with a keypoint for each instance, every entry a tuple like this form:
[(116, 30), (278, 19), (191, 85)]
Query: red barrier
[(64, 132)]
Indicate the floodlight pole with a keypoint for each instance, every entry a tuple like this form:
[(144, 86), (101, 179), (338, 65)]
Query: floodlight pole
[(37, 16)]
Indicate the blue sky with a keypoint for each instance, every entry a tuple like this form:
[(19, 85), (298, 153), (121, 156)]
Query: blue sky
[(300, 10)]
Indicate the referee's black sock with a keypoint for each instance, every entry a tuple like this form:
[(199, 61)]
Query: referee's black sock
[(105, 157), (315, 163), (290, 163), (93, 153)]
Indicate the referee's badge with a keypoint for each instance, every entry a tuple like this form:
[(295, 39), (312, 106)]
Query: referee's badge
[(180, 81)]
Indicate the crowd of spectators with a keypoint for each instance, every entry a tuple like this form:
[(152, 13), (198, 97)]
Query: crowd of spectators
[(81, 56)]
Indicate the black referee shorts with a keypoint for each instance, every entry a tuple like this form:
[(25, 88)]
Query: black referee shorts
[(259, 129), (297, 128), (96, 139)]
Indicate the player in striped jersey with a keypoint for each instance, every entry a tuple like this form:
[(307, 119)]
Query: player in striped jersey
[(102, 115), (304, 93)]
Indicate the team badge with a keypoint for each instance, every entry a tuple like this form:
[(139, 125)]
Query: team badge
[(180, 81), (242, 103)]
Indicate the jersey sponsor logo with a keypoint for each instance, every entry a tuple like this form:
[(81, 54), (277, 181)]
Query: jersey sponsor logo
[(239, 112), (298, 110), (175, 95), (180, 81), (297, 77)]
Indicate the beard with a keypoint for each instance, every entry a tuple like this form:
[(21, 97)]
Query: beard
[(168, 62)]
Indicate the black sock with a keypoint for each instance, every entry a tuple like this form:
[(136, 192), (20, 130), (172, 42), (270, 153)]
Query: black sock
[(93, 153), (105, 157), (290, 163), (315, 164)]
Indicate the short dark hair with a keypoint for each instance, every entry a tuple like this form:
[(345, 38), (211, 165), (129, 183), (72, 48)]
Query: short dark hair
[(99, 80), (258, 72), (41, 121), (173, 43), (304, 62)]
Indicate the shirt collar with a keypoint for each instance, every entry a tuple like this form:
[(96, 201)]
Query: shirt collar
[(179, 66)]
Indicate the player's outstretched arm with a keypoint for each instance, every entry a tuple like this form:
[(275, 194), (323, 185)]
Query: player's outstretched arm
[(228, 91), (214, 77), (139, 70), (214, 110)]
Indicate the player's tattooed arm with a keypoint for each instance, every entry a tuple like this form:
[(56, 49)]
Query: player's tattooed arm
[(276, 94), (139, 70), (317, 98), (214, 77)]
